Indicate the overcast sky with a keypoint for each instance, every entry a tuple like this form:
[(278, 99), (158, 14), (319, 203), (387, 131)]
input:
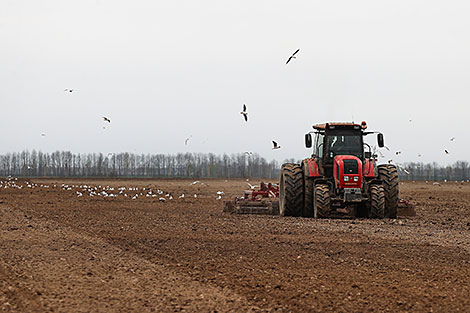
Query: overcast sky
[(165, 70)]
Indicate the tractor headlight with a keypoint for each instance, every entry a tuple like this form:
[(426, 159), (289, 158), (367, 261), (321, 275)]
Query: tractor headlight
[(356, 178), (346, 178)]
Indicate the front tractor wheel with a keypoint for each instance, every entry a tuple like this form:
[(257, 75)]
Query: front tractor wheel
[(291, 190), (377, 201), (321, 201)]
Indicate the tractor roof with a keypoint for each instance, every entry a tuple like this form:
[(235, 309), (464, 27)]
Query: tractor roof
[(363, 125)]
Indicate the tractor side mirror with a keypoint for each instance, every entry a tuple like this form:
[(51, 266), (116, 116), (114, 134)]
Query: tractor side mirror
[(308, 140), (380, 140)]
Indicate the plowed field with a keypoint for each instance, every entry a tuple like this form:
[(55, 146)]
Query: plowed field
[(70, 247)]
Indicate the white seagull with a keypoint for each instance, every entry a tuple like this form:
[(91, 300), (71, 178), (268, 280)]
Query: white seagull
[(292, 56), (244, 113), (275, 145), (187, 140)]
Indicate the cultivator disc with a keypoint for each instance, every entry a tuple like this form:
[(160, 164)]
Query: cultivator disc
[(241, 206), (405, 208)]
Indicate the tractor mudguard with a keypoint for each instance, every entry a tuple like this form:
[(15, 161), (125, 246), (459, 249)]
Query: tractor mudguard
[(369, 168), (310, 167)]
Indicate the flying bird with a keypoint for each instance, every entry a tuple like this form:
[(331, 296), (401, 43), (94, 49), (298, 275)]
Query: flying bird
[(43, 135), (292, 56), (106, 119), (244, 113), (248, 153), (251, 186), (69, 90), (419, 155), (275, 145), (452, 139), (447, 152), (387, 148), (186, 141), (398, 152)]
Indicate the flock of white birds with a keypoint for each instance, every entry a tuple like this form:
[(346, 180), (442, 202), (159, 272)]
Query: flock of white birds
[(107, 191)]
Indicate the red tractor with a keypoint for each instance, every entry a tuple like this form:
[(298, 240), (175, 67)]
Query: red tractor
[(340, 178)]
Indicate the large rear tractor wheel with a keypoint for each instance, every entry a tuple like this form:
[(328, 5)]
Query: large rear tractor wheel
[(291, 190), (377, 201), (322, 201), (389, 175)]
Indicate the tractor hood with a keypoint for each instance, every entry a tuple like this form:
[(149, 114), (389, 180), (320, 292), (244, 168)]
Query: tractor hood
[(347, 171)]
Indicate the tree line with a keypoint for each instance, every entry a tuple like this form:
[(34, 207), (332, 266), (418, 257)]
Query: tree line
[(458, 171), (195, 165)]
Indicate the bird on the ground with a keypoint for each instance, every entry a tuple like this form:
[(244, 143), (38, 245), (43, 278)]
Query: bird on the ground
[(69, 90), (251, 186), (107, 119), (447, 152), (218, 198), (187, 140), (220, 193), (194, 182), (292, 56), (244, 113), (275, 145), (452, 139)]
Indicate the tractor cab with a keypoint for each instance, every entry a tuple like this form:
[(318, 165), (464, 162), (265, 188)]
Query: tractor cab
[(336, 139)]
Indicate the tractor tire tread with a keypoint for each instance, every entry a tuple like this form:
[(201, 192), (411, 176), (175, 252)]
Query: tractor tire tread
[(293, 189), (389, 175), (377, 201), (323, 200)]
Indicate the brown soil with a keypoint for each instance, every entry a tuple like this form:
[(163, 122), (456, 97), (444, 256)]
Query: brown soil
[(62, 252)]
